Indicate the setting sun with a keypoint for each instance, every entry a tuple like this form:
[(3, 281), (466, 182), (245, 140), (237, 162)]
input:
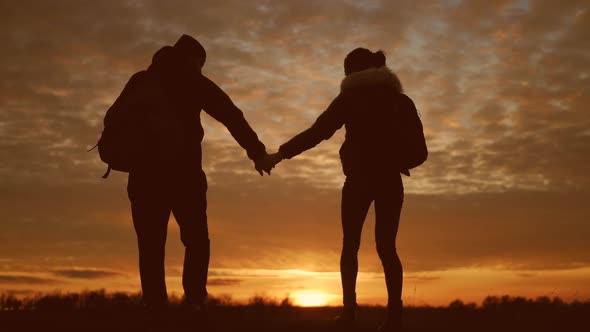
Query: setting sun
[(311, 298)]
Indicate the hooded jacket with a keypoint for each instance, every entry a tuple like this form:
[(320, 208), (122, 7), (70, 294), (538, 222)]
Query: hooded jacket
[(180, 95), (370, 106)]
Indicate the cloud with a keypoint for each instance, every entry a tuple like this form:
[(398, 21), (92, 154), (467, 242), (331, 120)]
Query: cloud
[(223, 282), (526, 275), (14, 279), (521, 132), (86, 273), (421, 278), (18, 292)]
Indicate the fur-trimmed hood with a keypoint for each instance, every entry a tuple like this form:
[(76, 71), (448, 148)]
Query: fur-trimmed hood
[(371, 77)]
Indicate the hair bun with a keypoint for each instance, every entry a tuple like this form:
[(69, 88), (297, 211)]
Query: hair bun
[(379, 58)]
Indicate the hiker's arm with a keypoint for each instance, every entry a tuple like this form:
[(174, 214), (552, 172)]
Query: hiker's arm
[(221, 108), (323, 128)]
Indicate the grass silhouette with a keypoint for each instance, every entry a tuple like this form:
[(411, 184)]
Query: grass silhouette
[(99, 310)]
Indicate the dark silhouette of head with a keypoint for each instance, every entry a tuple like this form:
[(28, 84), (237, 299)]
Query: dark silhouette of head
[(189, 48), (362, 59), (165, 62)]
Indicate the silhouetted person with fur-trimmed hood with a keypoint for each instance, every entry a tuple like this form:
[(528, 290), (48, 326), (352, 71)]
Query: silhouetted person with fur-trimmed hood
[(374, 111)]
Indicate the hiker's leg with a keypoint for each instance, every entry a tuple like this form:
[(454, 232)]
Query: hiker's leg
[(355, 203), (150, 219), (388, 204), (190, 211)]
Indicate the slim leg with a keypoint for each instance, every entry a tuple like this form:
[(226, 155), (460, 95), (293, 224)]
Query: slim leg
[(388, 206), (356, 201)]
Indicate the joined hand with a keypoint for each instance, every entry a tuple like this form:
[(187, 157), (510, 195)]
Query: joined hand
[(267, 162)]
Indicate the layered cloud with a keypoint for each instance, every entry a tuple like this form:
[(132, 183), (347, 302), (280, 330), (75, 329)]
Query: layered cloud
[(85, 273), (24, 280)]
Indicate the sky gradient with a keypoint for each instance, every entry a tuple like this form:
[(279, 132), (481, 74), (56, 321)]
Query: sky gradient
[(500, 207)]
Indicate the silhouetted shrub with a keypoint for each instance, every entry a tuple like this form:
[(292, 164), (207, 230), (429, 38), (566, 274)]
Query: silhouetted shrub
[(223, 300), (10, 302), (261, 301), (490, 302), (543, 301), (457, 304), (287, 302)]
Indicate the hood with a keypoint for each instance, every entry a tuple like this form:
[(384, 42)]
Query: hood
[(164, 57), (371, 77), (168, 62)]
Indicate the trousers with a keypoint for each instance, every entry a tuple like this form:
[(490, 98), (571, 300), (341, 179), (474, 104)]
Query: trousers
[(153, 197), (357, 196)]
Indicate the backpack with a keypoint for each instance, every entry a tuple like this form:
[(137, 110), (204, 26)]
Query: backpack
[(137, 127), (413, 151)]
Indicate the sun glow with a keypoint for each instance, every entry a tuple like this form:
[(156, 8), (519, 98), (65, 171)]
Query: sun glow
[(311, 298)]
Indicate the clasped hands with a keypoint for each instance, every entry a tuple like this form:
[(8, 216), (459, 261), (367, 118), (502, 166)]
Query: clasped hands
[(267, 162)]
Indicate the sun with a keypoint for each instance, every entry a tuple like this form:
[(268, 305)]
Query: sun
[(311, 298)]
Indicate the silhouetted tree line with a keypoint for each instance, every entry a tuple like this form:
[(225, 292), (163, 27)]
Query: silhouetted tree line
[(100, 299), (514, 302), (95, 299)]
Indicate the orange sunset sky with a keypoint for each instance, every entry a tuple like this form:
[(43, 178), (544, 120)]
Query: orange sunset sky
[(501, 206)]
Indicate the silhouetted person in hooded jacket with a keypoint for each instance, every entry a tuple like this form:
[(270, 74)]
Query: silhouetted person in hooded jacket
[(172, 179), (369, 106)]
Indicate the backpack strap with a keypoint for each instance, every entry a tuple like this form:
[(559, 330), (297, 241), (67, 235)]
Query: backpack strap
[(106, 174), (92, 148)]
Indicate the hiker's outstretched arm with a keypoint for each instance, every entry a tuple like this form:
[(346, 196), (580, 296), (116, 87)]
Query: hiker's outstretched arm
[(323, 128), (221, 108)]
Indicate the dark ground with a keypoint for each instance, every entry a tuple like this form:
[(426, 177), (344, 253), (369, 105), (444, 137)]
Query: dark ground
[(277, 318), (101, 312)]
